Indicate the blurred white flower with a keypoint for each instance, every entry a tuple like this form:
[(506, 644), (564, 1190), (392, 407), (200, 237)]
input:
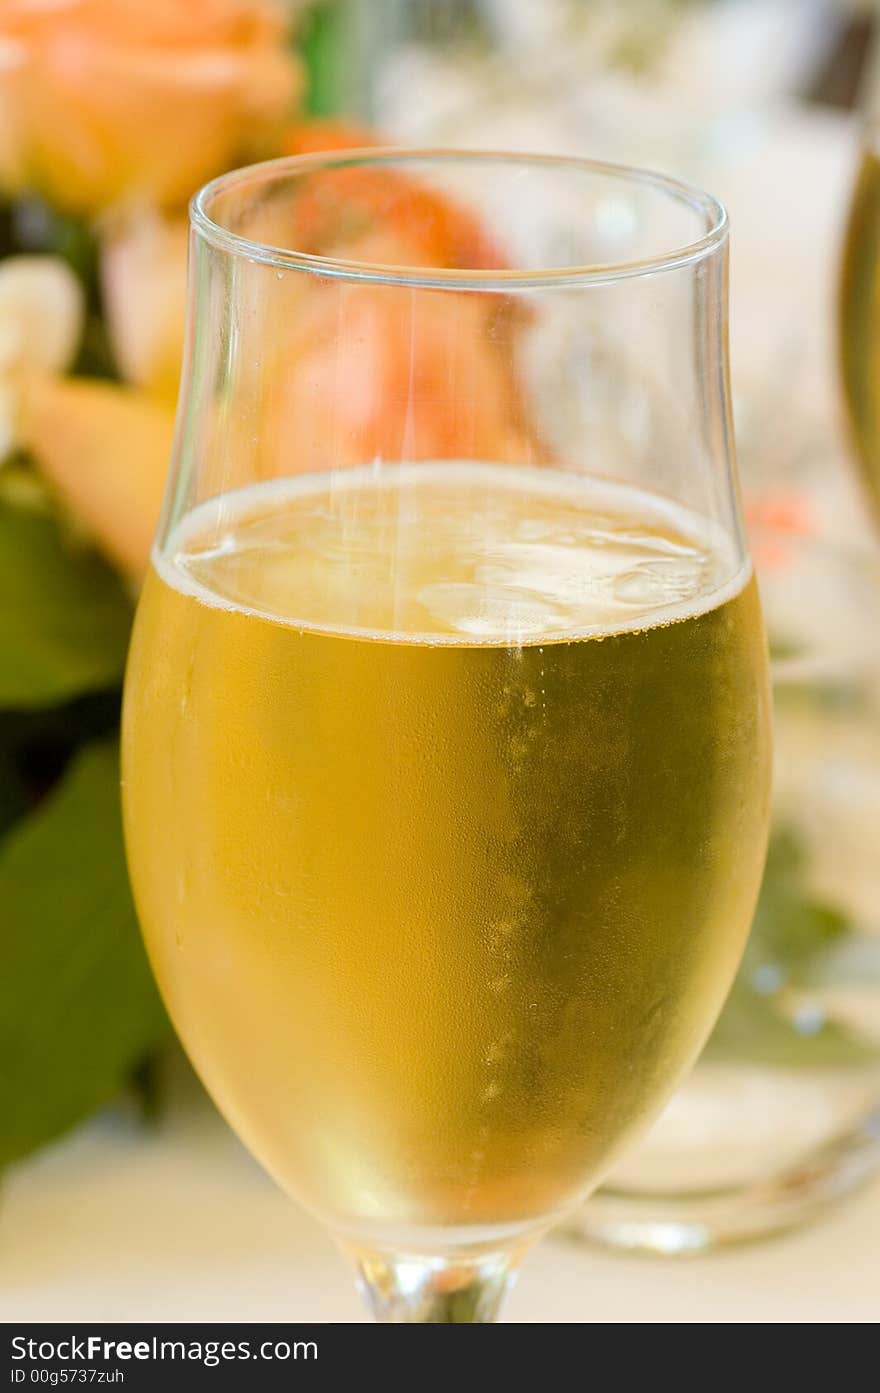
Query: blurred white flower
[(42, 308)]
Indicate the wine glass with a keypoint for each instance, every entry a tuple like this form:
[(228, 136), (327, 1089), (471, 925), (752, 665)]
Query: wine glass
[(446, 739)]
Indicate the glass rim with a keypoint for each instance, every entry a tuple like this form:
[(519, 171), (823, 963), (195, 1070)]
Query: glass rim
[(712, 211)]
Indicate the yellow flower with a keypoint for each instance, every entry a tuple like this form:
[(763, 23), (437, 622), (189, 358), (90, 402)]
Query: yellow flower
[(104, 448), (109, 101)]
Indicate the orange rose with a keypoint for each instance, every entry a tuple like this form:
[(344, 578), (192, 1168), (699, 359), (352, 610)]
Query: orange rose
[(429, 378), (105, 101), (412, 376), (105, 450)]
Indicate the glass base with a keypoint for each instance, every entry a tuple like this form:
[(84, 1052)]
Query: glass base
[(440, 1276), (692, 1223), (434, 1290)]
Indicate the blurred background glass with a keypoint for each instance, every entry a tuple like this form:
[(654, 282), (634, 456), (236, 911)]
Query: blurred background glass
[(859, 323), (782, 1114)]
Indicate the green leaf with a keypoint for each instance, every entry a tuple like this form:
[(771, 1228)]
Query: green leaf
[(791, 924), (13, 788), (36, 745), (753, 1029), (790, 928), (44, 737), (36, 227), (78, 1008), (30, 224), (64, 615), (782, 648), (835, 695), (324, 43), (793, 940), (95, 357)]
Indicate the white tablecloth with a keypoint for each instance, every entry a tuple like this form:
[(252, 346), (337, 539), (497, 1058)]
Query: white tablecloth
[(182, 1226)]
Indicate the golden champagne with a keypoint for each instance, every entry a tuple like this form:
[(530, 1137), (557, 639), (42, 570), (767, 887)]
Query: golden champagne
[(440, 792), (860, 322)]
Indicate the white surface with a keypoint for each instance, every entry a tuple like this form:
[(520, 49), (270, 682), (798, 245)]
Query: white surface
[(180, 1225), (110, 1226)]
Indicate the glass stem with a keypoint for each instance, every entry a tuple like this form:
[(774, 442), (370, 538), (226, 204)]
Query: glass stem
[(404, 1287)]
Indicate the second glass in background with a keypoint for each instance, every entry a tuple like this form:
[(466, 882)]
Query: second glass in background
[(446, 745), (781, 1116)]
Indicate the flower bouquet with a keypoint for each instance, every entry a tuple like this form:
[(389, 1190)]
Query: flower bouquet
[(112, 113)]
